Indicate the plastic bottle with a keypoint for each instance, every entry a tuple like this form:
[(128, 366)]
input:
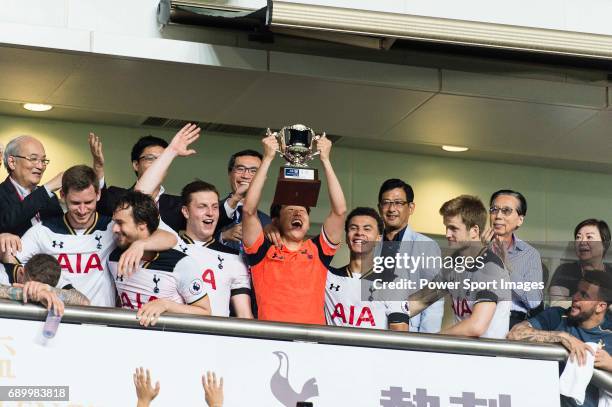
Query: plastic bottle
[(52, 323)]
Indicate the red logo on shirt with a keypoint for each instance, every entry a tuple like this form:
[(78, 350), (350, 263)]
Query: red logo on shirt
[(461, 307), (79, 263), (364, 317)]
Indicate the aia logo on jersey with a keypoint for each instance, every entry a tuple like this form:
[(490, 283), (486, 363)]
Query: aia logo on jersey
[(138, 302), (365, 316), (208, 276), (461, 307), (79, 263), (196, 286)]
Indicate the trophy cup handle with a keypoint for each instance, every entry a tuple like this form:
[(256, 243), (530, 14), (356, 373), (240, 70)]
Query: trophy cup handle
[(282, 147), (312, 146)]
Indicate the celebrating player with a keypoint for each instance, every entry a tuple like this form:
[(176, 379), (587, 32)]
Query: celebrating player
[(81, 240), (482, 312), (289, 281), (344, 304), (223, 271), (166, 280)]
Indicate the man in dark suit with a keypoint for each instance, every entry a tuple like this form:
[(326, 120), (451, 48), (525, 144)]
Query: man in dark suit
[(241, 169), (22, 202), (144, 153)]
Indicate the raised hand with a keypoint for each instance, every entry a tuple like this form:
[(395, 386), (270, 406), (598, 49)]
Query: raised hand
[(213, 389), (183, 138), (270, 144), (324, 146), (144, 388)]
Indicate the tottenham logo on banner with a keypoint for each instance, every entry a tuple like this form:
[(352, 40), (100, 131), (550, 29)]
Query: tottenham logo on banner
[(282, 389)]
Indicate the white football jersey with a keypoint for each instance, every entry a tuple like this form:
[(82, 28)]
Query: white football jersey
[(82, 255), (171, 275), (464, 300), (222, 270), (347, 303)]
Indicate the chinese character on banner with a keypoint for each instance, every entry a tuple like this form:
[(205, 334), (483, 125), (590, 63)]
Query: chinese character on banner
[(468, 399), (6, 366), (397, 397)]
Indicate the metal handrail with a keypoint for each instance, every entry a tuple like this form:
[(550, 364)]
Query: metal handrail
[(306, 333)]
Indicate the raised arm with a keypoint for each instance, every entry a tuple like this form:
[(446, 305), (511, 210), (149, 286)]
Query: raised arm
[(334, 223), (178, 147), (251, 226), (97, 155)]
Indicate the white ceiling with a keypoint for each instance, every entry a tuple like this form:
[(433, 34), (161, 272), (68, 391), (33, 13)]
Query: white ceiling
[(551, 123)]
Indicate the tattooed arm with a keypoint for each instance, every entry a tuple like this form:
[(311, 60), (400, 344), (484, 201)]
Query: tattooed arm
[(70, 296), (48, 298), (525, 332)]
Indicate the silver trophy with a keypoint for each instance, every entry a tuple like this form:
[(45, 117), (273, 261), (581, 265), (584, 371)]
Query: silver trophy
[(297, 144), (297, 183)]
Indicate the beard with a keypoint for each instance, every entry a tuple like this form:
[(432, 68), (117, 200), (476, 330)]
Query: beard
[(580, 318)]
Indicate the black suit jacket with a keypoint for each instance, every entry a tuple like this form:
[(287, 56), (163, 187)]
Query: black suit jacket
[(169, 206), (16, 215)]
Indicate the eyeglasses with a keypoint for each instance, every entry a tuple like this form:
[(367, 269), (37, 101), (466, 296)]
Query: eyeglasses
[(387, 204), (148, 158), (241, 169), (34, 160), (506, 211)]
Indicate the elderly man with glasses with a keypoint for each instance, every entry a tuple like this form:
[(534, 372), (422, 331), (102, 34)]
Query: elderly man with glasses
[(507, 212), (22, 202), (241, 169)]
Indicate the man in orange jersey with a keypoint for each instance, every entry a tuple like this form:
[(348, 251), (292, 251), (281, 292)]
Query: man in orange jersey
[(289, 281)]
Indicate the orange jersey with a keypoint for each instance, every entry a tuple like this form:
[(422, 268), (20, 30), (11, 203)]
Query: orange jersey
[(290, 285)]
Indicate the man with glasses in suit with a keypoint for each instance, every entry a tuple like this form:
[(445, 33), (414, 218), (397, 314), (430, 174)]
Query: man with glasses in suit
[(22, 202), (241, 169)]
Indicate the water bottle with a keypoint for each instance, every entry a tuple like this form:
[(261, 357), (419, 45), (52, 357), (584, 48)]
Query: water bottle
[(52, 322)]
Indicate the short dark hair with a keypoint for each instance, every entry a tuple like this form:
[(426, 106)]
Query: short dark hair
[(144, 209), (144, 142), (522, 209), (43, 268), (275, 209), (196, 186), (243, 153), (365, 211), (393, 183), (603, 280), (78, 178), (470, 208), (602, 226)]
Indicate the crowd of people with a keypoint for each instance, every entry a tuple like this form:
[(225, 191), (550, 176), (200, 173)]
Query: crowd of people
[(201, 253)]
